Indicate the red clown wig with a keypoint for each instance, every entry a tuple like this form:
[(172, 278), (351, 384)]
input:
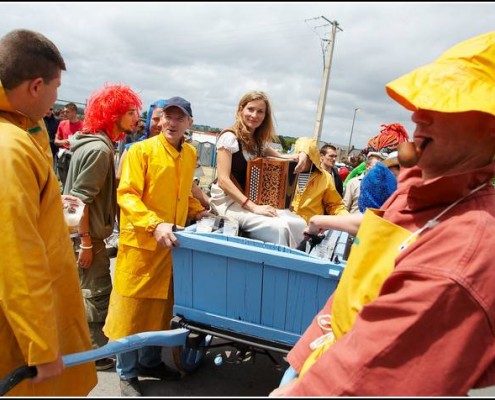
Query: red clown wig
[(106, 106)]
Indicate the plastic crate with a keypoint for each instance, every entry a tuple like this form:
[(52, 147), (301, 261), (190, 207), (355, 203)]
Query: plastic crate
[(250, 287)]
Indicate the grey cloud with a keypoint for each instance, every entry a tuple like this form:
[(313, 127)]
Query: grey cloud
[(211, 53)]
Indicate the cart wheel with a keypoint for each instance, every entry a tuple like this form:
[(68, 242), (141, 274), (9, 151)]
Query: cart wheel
[(188, 359)]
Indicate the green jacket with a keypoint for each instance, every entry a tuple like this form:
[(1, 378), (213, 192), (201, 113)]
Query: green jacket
[(91, 178)]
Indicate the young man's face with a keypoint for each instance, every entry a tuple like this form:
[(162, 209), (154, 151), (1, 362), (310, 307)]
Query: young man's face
[(70, 114), (49, 113), (128, 122), (155, 126), (46, 96), (328, 160)]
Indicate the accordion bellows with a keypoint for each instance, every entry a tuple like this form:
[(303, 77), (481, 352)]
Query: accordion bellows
[(271, 181)]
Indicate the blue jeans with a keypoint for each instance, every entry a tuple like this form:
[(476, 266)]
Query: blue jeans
[(127, 363)]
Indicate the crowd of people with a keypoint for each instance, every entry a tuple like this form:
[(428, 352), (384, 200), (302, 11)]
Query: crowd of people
[(413, 312)]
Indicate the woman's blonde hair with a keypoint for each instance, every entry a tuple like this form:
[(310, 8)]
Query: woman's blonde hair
[(265, 133)]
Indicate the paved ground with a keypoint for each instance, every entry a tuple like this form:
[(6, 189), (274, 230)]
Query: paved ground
[(256, 377)]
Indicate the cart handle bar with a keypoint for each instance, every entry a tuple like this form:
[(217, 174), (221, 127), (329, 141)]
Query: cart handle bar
[(170, 338)]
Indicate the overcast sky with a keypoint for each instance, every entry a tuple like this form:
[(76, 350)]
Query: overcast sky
[(212, 53)]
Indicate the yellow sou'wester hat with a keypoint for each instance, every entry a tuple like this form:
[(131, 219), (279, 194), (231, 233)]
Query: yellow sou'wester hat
[(461, 79)]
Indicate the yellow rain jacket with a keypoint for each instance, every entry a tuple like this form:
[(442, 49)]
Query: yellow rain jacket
[(155, 187), (320, 195), (41, 307)]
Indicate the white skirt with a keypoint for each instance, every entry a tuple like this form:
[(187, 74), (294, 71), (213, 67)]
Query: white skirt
[(285, 229)]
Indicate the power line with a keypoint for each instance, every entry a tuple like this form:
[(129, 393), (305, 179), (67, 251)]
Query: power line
[(71, 101)]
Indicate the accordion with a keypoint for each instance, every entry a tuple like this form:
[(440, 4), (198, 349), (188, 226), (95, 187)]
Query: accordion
[(271, 181)]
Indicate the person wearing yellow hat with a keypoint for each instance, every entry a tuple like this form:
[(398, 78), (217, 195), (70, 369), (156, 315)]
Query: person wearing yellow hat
[(414, 311)]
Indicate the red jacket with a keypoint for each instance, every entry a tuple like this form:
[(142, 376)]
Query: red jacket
[(431, 330)]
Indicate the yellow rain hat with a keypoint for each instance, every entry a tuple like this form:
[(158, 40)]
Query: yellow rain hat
[(461, 79)]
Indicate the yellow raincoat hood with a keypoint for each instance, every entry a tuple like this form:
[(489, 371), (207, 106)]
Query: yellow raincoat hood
[(309, 146), (461, 79), (320, 196)]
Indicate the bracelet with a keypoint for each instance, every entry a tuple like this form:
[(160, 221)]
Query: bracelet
[(86, 247), (245, 202), (84, 234)]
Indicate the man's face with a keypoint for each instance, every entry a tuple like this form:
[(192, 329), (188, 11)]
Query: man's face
[(49, 113), (128, 122), (70, 114), (155, 126), (174, 124), (47, 94), (328, 160), (371, 162), (459, 141)]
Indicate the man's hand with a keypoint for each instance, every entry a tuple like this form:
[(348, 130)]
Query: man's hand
[(202, 214), (71, 201), (164, 234), (49, 370), (85, 258)]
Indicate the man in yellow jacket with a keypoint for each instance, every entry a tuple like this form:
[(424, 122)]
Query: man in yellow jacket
[(315, 192), (41, 310), (154, 196)]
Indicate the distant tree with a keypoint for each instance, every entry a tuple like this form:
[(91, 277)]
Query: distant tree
[(287, 142), (144, 115)]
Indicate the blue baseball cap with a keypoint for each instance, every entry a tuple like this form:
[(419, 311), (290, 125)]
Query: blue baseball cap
[(183, 104)]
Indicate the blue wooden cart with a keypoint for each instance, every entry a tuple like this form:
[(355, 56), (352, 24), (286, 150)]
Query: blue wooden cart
[(258, 295)]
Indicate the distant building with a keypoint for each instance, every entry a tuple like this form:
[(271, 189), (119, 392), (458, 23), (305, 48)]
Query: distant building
[(205, 143), (202, 137)]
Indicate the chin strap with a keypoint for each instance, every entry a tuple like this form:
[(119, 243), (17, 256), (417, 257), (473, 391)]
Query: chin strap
[(434, 222)]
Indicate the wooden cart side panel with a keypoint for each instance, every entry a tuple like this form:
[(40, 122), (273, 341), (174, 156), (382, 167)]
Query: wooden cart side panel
[(274, 302), (302, 302), (209, 283), (244, 288), (183, 278)]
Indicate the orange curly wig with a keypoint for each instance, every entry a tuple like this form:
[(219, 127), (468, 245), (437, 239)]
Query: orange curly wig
[(106, 106), (390, 136)]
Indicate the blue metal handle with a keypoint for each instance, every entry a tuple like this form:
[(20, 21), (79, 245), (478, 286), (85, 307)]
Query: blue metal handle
[(171, 338), (290, 374)]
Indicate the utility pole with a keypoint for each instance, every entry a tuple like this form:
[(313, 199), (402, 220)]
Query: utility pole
[(352, 130), (326, 77)]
